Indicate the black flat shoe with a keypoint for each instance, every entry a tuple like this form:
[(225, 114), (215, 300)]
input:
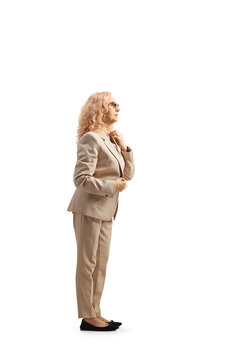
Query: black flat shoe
[(87, 326), (114, 322)]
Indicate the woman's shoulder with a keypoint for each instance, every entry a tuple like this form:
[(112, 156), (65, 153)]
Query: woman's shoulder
[(90, 136), (93, 133)]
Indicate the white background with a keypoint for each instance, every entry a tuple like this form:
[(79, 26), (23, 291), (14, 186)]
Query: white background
[(173, 271)]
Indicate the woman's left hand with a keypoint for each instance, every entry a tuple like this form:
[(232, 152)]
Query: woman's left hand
[(119, 139)]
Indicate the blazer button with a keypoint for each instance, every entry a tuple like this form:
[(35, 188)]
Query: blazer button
[(106, 195)]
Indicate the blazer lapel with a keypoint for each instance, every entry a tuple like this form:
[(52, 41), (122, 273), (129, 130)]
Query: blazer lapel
[(112, 148)]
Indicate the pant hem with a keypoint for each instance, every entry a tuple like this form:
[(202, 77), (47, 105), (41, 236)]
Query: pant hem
[(86, 316)]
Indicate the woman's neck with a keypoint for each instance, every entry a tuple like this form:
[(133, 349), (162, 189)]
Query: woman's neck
[(108, 129)]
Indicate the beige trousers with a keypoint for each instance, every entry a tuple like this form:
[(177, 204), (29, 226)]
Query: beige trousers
[(93, 238)]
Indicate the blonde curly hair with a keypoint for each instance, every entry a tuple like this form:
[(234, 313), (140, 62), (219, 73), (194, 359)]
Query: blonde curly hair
[(92, 113)]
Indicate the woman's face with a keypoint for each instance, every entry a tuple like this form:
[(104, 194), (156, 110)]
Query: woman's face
[(113, 109)]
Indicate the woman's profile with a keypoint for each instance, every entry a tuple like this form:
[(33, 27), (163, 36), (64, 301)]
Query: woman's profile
[(104, 165)]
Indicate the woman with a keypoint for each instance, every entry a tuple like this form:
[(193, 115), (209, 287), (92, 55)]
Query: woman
[(104, 164)]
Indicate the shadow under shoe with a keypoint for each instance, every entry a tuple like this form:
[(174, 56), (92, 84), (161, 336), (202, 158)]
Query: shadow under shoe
[(87, 326)]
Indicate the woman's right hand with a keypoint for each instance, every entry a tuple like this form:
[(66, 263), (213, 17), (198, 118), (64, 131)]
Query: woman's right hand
[(121, 184)]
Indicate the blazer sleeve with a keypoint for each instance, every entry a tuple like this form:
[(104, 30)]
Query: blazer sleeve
[(129, 168), (87, 156)]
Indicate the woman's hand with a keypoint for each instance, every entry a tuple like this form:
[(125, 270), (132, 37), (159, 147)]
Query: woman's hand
[(121, 184), (119, 139)]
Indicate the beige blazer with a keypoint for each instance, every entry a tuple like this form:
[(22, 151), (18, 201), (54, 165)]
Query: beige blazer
[(98, 165)]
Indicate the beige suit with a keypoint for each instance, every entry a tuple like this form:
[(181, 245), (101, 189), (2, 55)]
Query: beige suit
[(98, 165), (94, 203)]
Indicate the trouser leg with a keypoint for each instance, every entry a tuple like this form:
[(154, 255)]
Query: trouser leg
[(87, 230), (99, 273)]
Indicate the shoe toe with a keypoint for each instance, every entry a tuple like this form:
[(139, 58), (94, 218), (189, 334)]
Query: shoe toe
[(114, 322)]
